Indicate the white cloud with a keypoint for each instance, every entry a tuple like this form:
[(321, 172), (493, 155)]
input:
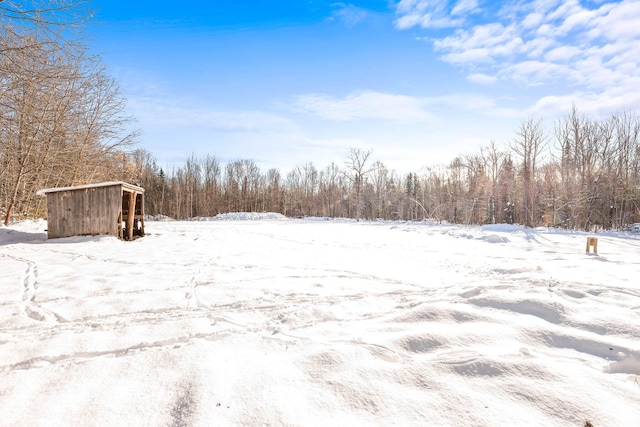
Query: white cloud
[(482, 44), (597, 104), (533, 73), (431, 13), (410, 6), (371, 105), (464, 6), (563, 10), (349, 14), (465, 56), (532, 20), (578, 19), (364, 105), (617, 22), (467, 101), (589, 47), (161, 113), (562, 53), (427, 20), (536, 48), (483, 79)]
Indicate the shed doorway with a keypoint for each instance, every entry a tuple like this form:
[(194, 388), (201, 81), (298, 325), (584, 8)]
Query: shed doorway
[(131, 221)]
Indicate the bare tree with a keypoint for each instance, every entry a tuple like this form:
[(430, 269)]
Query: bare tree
[(243, 185), (357, 170), (303, 187), (528, 145), (47, 20), (627, 183), (380, 178), (212, 174), (274, 192), (492, 158), (64, 121)]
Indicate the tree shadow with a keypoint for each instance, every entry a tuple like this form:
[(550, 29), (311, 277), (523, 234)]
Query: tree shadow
[(9, 237)]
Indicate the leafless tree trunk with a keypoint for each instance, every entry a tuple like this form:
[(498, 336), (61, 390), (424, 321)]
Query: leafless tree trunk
[(357, 170), (528, 145), (493, 162)]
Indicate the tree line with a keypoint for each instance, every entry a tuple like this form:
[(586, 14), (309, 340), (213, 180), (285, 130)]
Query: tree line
[(584, 176), (63, 123)]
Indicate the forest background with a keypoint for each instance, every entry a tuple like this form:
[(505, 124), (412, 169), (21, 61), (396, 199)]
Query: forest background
[(63, 122)]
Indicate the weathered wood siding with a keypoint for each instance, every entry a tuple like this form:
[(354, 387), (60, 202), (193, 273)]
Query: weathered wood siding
[(87, 211)]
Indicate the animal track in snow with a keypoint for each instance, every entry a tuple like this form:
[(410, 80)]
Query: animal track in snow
[(31, 308)]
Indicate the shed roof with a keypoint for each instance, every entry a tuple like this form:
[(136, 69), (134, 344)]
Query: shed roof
[(125, 185)]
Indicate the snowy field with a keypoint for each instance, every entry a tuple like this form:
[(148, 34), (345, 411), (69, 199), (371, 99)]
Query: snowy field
[(262, 320)]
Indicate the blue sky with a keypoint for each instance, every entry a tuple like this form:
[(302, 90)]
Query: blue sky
[(287, 82)]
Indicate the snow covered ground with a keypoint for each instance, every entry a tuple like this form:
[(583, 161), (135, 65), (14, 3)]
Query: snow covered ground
[(273, 321)]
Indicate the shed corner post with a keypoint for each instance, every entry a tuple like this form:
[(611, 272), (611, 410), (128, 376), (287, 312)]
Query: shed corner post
[(131, 215), (142, 213)]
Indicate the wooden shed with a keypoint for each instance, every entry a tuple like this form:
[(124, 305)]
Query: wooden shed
[(114, 208)]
